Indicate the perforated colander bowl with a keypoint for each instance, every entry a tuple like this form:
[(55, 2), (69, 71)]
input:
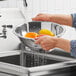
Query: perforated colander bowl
[(35, 26)]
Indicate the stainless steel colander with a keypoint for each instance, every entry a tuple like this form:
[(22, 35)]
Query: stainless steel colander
[(35, 26)]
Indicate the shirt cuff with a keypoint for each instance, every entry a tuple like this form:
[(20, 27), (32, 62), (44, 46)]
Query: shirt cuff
[(73, 48), (73, 20)]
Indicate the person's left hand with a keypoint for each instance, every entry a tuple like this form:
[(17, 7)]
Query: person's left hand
[(46, 42), (43, 17)]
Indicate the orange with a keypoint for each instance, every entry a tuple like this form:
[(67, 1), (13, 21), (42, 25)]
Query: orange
[(31, 35), (46, 32)]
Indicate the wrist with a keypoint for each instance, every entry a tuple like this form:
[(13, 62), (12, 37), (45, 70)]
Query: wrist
[(63, 44), (52, 17), (61, 19)]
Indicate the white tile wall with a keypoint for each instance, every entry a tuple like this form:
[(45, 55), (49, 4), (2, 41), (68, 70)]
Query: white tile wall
[(48, 6), (9, 3), (3, 4), (52, 6)]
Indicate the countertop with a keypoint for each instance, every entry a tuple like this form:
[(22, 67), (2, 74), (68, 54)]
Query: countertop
[(9, 53)]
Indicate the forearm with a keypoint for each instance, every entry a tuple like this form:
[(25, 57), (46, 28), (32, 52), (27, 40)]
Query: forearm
[(63, 44), (61, 19)]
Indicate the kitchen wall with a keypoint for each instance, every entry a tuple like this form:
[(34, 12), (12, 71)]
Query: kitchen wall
[(10, 15), (50, 6), (10, 3)]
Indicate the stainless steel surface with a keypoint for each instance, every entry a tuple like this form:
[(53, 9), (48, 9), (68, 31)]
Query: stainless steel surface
[(25, 3), (21, 30), (53, 66), (58, 69), (47, 70), (12, 70), (30, 58), (50, 56), (32, 66)]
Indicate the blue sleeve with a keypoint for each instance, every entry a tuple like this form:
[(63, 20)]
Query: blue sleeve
[(74, 19), (73, 48)]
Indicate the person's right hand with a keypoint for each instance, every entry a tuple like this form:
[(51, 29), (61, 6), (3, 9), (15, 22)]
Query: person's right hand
[(42, 17)]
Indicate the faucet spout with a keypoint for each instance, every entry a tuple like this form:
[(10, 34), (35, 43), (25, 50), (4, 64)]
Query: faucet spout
[(25, 3)]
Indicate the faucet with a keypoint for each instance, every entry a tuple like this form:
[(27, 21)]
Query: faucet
[(25, 3), (3, 34)]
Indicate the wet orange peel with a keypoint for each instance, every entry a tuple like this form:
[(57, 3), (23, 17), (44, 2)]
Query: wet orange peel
[(31, 35), (46, 32), (42, 32)]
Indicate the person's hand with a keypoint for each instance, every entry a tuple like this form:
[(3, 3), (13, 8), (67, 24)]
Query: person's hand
[(48, 42), (42, 17), (57, 18)]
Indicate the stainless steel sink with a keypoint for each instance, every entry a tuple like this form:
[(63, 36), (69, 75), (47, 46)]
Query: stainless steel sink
[(14, 59), (56, 65), (33, 63), (56, 56)]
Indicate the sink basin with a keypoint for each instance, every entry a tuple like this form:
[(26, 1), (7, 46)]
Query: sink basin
[(15, 59), (56, 65), (29, 58), (33, 63), (30, 61)]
